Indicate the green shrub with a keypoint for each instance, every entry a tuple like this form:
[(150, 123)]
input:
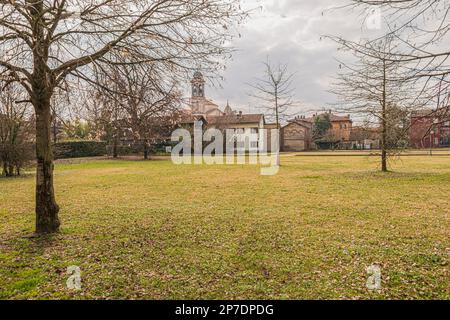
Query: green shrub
[(79, 149), (138, 149)]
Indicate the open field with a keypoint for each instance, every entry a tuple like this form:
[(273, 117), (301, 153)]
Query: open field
[(155, 230)]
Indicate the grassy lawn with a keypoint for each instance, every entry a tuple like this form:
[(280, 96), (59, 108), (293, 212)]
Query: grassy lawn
[(154, 230)]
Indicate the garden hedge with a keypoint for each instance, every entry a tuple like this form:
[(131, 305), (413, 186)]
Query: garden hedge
[(79, 149)]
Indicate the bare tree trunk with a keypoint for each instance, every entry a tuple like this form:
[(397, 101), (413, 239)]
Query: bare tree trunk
[(115, 143), (277, 116), (55, 129), (42, 87), (47, 220), (5, 169), (383, 124), (145, 151), (384, 154)]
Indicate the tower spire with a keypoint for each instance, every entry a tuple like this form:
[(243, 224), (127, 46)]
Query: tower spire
[(228, 110)]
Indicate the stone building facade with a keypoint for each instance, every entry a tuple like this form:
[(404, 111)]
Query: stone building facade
[(296, 136)]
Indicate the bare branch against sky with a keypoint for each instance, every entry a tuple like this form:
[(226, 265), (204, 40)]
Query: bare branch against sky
[(274, 92), (290, 31)]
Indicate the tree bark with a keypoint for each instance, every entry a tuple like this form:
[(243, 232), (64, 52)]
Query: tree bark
[(42, 87), (55, 129), (145, 150), (384, 161), (47, 220), (115, 143), (277, 117), (5, 169), (384, 124)]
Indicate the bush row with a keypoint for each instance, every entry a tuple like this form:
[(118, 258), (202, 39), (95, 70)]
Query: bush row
[(79, 149)]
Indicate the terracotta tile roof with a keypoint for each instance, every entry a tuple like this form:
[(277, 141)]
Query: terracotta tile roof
[(302, 122), (333, 117), (235, 119), (362, 133), (189, 119)]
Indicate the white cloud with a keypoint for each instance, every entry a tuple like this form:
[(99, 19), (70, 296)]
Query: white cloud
[(289, 31)]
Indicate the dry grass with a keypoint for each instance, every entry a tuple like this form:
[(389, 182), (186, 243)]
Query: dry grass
[(155, 230)]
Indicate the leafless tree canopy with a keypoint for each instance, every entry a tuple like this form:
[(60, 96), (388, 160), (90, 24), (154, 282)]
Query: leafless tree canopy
[(421, 29), (76, 33), (374, 89), (16, 130), (274, 91), (142, 99)]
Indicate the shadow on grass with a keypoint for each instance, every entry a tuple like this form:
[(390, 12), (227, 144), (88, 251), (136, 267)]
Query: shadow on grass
[(26, 175), (399, 175), (36, 244)]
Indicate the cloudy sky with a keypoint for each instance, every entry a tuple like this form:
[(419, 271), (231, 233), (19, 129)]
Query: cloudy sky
[(289, 31)]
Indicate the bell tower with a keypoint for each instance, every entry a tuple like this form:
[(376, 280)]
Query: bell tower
[(198, 85)]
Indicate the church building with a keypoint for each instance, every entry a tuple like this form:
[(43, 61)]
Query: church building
[(199, 104), (203, 109), (214, 117)]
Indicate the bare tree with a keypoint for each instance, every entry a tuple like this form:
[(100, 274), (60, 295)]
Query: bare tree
[(374, 89), (275, 91), (45, 42), (16, 130), (104, 113), (145, 98)]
